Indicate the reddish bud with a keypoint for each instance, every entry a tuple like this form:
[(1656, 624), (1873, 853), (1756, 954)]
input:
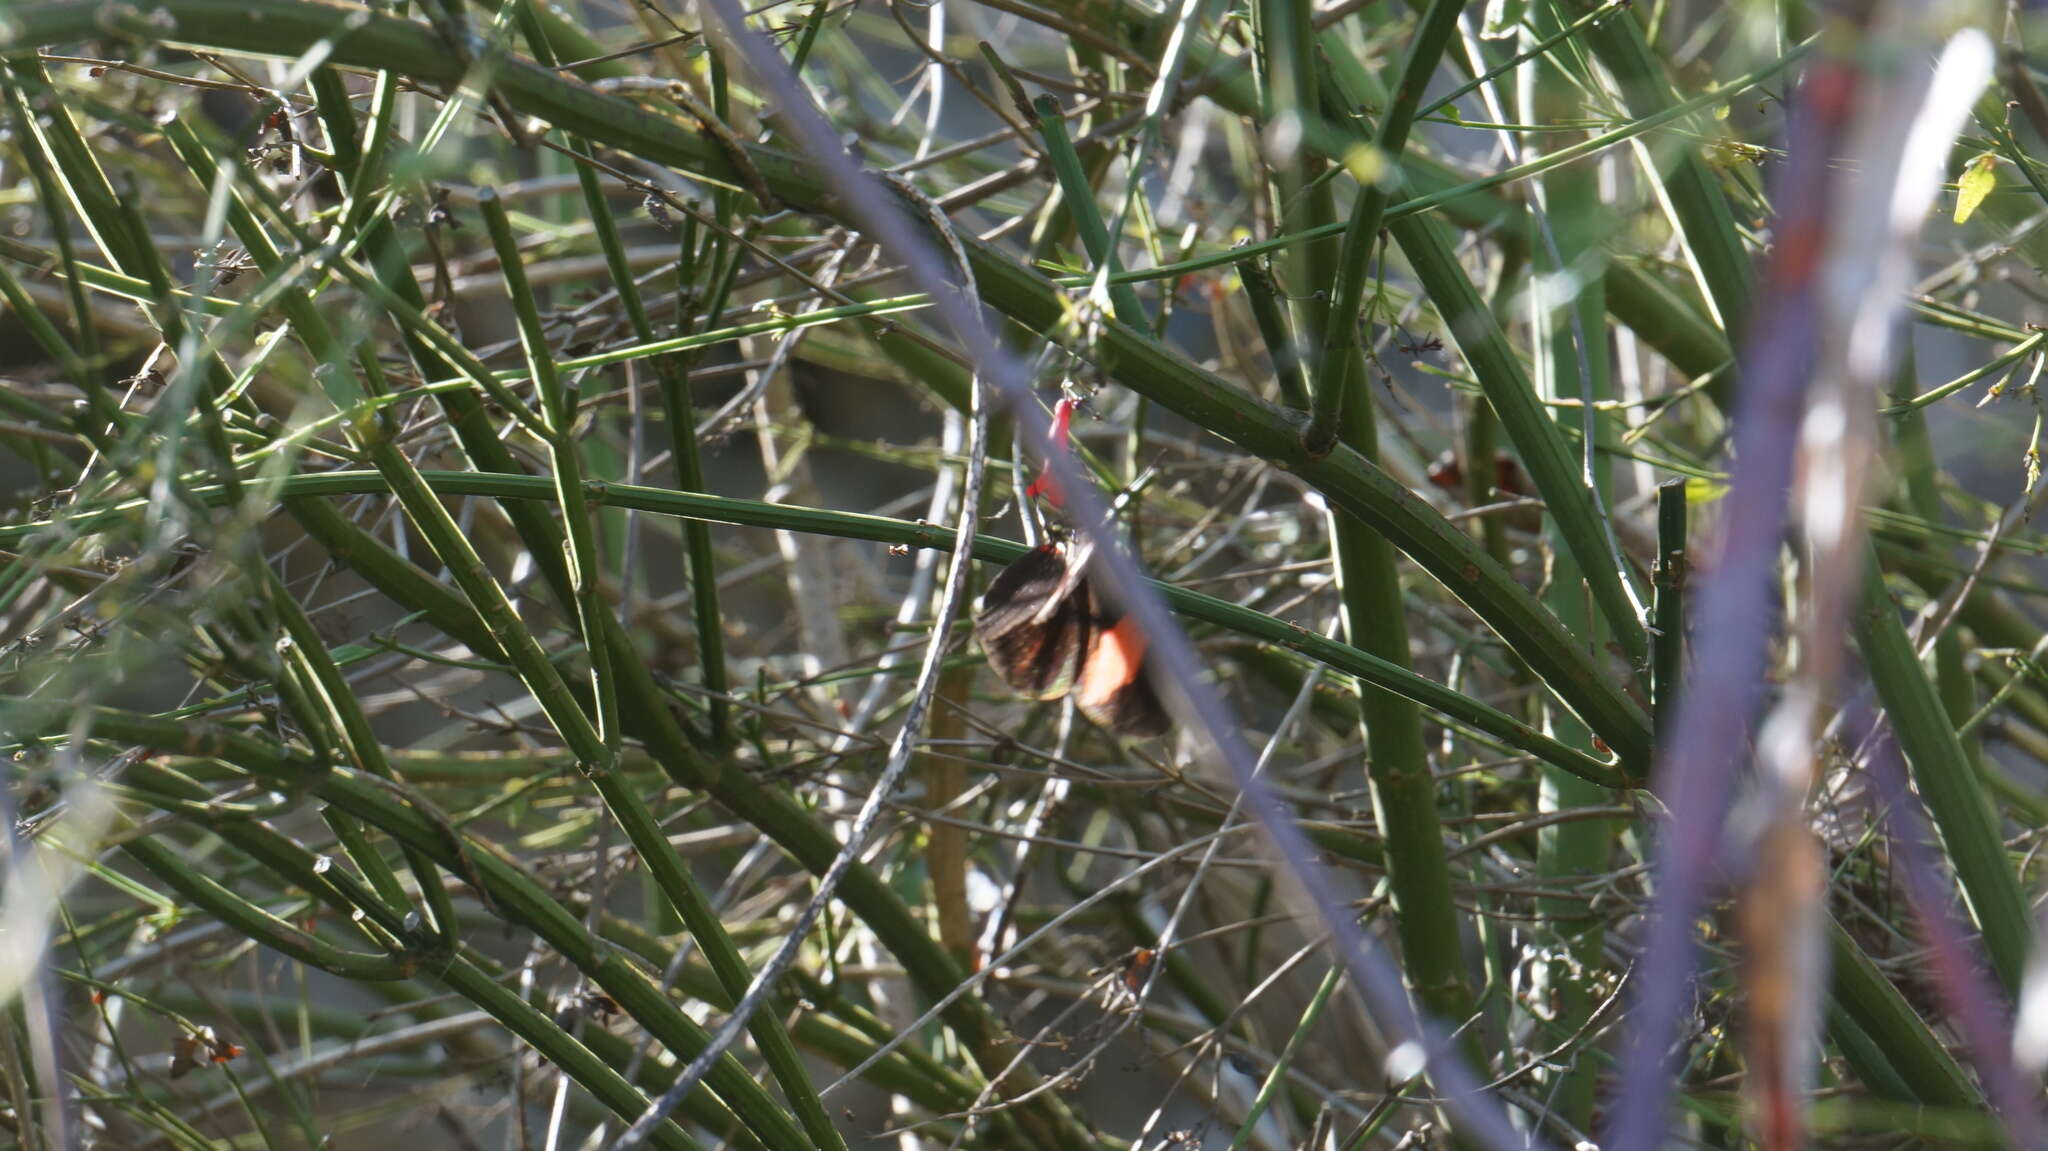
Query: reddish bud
[(1045, 485)]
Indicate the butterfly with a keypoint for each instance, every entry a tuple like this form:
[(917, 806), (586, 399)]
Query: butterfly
[(195, 1049), (1048, 633)]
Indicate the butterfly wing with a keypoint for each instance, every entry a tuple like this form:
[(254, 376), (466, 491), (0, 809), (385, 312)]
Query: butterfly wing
[(1035, 623), (1112, 687)]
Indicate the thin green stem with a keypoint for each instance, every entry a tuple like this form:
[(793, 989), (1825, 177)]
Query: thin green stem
[(420, 595)]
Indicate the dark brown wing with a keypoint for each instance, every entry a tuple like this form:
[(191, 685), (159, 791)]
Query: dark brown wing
[(1035, 623)]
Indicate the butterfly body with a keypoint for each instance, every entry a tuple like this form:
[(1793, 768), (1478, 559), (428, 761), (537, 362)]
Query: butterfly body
[(1048, 634)]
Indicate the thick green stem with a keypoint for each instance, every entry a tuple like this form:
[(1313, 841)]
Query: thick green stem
[(1544, 450), (1667, 610), (1381, 164), (1403, 789), (1916, 461), (1955, 798), (1572, 358), (1078, 196), (1866, 997)]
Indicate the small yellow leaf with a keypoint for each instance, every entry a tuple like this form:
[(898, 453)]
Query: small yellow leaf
[(1700, 490), (1976, 183), (1366, 162)]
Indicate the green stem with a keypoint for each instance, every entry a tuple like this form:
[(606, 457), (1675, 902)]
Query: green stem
[(1131, 355), (1706, 225), (1276, 1076), (678, 408), (249, 920), (1667, 611), (413, 590), (558, 413), (1079, 197), (1962, 813), (1271, 317), (1339, 357), (509, 890), (1917, 476), (1571, 365), (1866, 996)]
